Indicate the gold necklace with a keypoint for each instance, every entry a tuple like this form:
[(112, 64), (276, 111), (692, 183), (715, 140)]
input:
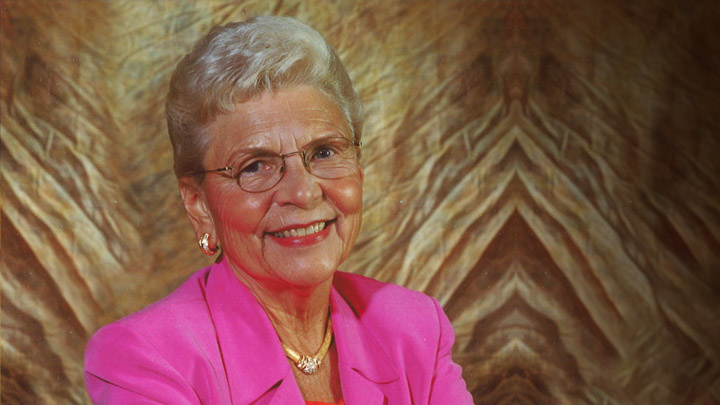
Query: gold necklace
[(310, 364)]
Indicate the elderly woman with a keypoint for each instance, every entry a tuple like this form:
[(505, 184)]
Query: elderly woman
[(265, 128)]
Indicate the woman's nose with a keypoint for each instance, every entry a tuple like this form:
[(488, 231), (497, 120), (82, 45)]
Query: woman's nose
[(297, 187)]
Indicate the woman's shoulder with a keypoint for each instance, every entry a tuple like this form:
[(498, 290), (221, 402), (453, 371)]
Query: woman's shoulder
[(366, 286), (183, 309), (386, 301), (153, 352)]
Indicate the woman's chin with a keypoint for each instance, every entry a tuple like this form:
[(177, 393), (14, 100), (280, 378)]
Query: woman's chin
[(303, 267), (305, 277)]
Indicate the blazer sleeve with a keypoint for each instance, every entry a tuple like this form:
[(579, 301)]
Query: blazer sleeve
[(448, 386), (122, 367)]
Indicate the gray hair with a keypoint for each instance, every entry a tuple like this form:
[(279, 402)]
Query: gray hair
[(234, 63)]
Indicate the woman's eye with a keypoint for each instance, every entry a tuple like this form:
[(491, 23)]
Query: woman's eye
[(323, 152), (252, 167)]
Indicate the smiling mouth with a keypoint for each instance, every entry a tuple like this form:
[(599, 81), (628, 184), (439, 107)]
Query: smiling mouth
[(299, 232)]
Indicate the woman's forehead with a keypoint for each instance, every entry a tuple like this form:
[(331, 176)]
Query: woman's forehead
[(283, 119)]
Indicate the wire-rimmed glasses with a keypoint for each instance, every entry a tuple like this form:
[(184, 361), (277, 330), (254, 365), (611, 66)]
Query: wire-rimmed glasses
[(326, 158)]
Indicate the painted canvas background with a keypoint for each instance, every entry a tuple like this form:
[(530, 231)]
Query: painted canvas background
[(548, 170)]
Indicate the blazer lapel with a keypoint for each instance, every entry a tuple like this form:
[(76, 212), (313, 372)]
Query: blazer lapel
[(367, 374), (255, 364)]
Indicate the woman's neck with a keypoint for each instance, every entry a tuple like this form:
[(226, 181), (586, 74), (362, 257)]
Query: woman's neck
[(299, 315)]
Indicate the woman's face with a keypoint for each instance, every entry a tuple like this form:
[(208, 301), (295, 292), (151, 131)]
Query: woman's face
[(256, 230)]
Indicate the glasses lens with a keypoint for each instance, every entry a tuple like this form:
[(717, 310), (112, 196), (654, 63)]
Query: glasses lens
[(332, 158), (258, 172)]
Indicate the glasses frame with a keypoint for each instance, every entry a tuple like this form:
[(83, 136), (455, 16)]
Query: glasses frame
[(303, 154)]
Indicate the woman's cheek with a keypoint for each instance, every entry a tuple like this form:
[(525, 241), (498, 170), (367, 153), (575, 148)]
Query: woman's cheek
[(240, 214), (347, 195)]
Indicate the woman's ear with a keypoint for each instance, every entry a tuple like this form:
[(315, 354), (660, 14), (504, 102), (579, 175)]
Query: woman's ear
[(196, 207)]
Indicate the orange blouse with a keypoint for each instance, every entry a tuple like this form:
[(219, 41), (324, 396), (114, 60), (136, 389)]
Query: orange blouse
[(341, 402)]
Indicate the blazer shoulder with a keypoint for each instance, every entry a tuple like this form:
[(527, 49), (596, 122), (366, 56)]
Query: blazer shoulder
[(371, 298), (184, 310)]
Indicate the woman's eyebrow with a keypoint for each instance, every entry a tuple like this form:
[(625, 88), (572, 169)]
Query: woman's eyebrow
[(253, 149), (261, 150), (327, 135), (250, 150)]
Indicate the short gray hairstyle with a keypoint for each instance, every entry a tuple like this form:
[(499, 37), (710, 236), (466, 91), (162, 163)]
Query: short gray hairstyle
[(234, 63)]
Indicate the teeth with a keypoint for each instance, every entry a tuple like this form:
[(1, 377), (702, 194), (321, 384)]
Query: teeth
[(311, 229)]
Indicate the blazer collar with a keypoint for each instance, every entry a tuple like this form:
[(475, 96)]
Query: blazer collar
[(365, 367), (252, 355)]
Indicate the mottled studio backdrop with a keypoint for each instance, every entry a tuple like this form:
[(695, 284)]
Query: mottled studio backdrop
[(548, 170)]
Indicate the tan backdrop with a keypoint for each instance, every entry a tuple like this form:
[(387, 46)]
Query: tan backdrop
[(548, 170)]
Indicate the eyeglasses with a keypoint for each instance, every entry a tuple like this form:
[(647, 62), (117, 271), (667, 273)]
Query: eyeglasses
[(326, 158)]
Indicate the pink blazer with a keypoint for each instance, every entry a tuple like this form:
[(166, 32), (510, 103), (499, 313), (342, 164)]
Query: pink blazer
[(210, 342)]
